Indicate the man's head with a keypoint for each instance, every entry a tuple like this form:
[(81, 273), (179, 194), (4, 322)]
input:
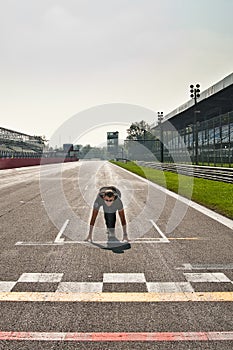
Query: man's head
[(109, 197)]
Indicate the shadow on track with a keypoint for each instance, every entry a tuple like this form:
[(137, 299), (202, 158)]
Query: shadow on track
[(114, 245)]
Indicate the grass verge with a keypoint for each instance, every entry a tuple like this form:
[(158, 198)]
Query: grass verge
[(215, 195)]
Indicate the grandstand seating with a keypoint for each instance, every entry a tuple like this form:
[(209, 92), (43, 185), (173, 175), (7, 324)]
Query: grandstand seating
[(16, 144)]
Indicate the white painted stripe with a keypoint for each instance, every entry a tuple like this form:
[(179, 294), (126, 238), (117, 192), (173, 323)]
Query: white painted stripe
[(41, 277), (205, 267), (159, 231), (210, 213), (185, 267), (212, 267), (105, 243), (207, 277), (124, 278), (169, 287), (90, 287), (80, 287), (6, 286), (151, 240), (38, 243), (147, 239), (60, 233)]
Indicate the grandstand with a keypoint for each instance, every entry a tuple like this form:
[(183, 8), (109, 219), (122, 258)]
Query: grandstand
[(20, 145), (19, 150), (204, 129)]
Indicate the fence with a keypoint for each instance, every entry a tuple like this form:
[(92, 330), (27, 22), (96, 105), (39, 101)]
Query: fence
[(205, 172)]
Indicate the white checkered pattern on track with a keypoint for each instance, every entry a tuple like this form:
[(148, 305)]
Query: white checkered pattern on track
[(59, 285)]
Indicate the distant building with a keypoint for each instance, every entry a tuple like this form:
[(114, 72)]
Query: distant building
[(112, 142), (67, 147), (202, 129)]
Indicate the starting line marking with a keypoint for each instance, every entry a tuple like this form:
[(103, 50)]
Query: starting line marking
[(60, 233), (164, 238), (142, 240), (61, 242), (119, 297), (121, 337)]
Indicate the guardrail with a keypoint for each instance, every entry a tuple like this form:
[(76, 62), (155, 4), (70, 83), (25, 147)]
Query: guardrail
[(205, 172)]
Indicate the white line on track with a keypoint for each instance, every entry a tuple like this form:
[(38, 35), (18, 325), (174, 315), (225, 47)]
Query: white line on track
[(124, 278), (40, 277), (104, 243), (60, 233), (207, 277), (206, 267), (165, 239), (80, 287)]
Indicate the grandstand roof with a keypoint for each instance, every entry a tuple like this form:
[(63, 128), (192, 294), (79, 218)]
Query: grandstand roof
[(14, 132), (216, 100)]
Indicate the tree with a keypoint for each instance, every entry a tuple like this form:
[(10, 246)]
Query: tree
[(141, 133), (138, 130), (84, 151)]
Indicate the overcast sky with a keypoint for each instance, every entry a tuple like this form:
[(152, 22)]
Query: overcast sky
[(61, 57)]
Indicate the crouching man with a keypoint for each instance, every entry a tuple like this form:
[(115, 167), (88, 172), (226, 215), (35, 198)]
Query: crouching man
[(110, 198)]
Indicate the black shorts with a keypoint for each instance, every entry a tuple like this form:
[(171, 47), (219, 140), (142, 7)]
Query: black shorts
[(110, 219)]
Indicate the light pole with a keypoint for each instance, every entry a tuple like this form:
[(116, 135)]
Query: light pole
[(144, 137), (195, 94), (160, 119)]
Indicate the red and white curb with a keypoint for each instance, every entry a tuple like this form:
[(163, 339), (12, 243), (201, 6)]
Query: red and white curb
[(122, 337)]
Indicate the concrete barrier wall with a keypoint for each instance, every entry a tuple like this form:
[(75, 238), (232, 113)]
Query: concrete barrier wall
[(9, 163)]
